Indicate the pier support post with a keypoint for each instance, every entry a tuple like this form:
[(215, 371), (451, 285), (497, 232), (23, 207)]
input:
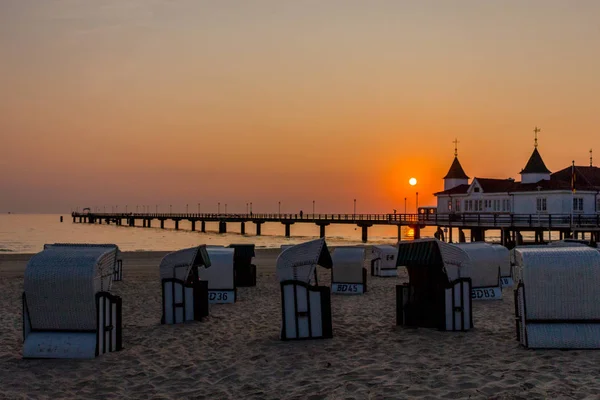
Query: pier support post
[(258, 224), (80, 220), (144, 222), (176, 224), (365, 232), (203, 226), (243, 228), (74, 220), (461, 236), (193, 225), (417, 230), (287, 228), (99, 221), (450, 239), (149, 223), (399, 232), (322, 226), (162, 224), (222, 227)]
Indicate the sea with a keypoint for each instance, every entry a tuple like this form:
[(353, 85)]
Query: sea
[(27, 233)]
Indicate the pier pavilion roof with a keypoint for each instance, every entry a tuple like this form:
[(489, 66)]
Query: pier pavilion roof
[(535, 165), (586, 178), (456, 170)]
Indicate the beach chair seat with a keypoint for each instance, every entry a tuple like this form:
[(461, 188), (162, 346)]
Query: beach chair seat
[(245, 271), (220, 275), (305, 306), (383, 261), (184, 295), (436, 296), (348, 275), (118, 267), (68, 311), (556, 299)]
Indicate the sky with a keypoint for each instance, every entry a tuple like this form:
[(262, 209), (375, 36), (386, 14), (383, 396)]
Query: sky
[(173, 102)]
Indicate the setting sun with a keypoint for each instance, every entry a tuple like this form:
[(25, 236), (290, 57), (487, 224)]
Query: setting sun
[(412, 181)]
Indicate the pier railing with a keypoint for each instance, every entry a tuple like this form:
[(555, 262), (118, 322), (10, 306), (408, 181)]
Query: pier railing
[(484, 220)]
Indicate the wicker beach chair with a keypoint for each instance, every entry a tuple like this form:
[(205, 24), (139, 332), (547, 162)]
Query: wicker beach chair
[(220, 275), (348, 275), (383, 261), (436, 296), (118, 267), (67, 309), (556, 299), (482, 263), (305, 306), (245, 271), (184, 295)]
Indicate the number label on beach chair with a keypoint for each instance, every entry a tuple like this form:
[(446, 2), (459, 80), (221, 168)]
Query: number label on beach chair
[(221, 296), (494, 293), (507, 282), (347, 288)]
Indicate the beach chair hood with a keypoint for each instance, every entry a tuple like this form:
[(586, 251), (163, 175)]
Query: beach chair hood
[(298, 262), (61, 283), (178, 264)]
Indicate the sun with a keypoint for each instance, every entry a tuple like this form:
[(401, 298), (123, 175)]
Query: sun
[(412, 181)]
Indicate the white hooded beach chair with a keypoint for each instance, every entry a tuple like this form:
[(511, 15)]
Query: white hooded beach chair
[(557, 300), (67, 309), (503, 260), (348, 275), (436, 296), (220, 276), (383, 261), (305, 306), (118, 267), (479, 261), (184, 295)]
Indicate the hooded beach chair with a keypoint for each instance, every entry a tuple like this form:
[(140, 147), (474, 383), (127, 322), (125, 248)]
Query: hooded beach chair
[(118, 267), (348, 275), (245, 271), (220, 275), (557, 297), (436, 295), (305, 306), (184, 295), (383, 261), (68, 311), (481, 262), (506, 270)]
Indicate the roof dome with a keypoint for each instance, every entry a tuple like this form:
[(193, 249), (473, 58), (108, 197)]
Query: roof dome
[(456, 171)]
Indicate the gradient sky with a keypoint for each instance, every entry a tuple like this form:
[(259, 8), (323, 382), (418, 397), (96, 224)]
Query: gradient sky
[(110, 102)]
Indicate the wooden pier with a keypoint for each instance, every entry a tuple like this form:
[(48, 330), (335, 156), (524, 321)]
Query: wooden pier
[(510, 225)]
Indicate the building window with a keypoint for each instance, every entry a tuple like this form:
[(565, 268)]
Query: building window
[(598, 204), (541, 204), (476, 190), (480, 205), (457, 207), (578, 204), (449, 205)]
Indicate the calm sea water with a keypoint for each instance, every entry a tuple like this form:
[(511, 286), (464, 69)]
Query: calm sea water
[(27, 233)]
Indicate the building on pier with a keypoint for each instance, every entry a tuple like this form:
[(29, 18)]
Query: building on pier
[(571, 190)]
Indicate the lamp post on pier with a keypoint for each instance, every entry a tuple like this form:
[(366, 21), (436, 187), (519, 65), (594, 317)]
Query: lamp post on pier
[(279, 208), (355, 208), (417, 204), (219, 208), (170, 208), (313, 209), (225, 208)]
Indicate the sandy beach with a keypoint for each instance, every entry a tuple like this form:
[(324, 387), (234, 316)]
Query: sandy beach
[(235, 353)]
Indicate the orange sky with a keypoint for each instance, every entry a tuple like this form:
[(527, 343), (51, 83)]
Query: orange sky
[(185, 101)]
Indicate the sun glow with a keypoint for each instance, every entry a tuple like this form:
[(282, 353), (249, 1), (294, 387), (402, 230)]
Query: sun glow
[(412, 181)]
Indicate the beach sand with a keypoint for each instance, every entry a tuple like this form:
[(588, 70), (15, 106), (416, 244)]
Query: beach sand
[(235, 353)]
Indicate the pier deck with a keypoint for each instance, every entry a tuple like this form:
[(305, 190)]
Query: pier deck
[(510, 225)]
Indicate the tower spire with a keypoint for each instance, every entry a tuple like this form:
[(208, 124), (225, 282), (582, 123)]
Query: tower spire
[(455, 147), (535, 131)]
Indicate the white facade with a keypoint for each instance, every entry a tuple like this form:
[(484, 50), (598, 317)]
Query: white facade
[(542, 202)]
